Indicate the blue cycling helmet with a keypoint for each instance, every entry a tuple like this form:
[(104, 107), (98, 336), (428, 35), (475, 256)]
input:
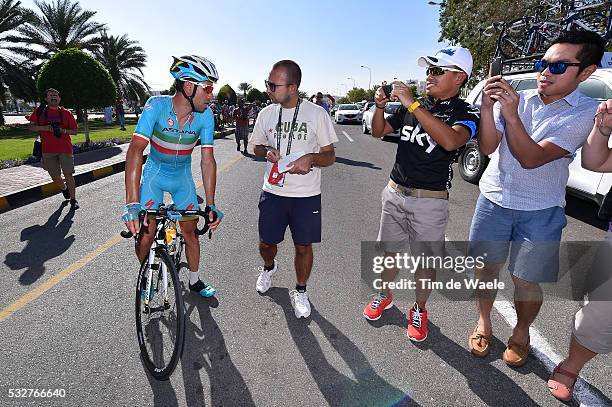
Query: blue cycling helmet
[(194, 69)]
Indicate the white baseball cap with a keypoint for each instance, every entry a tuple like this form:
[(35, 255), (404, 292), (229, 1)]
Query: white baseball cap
[(458, 56)]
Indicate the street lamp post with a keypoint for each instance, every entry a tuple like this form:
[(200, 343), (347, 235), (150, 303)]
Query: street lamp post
[(354, 86), (370, 71)]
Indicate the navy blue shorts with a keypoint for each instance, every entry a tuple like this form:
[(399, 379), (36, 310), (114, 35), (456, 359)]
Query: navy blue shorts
[(302, 215)]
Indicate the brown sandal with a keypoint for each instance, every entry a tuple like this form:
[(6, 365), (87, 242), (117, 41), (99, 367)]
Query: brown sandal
[(479, 343), (516, 354), (558, 389)]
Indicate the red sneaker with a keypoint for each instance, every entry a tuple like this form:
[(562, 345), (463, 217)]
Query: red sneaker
[(375, 308), (417, 324)]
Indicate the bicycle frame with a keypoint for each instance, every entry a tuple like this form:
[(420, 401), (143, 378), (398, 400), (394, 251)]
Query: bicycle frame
[(159, 243)]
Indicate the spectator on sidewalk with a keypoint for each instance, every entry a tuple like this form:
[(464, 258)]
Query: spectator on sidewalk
[(241, 116), (531, 137), (137, 109), (55, 125), (108, 115), (120, 112), (592, 328), (225, 113), (318, 100)]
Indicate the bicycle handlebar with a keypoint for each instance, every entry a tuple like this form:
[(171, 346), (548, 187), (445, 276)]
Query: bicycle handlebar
[(165, 212)]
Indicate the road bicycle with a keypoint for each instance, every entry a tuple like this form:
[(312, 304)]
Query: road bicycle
[(159, 306), (531, 35)]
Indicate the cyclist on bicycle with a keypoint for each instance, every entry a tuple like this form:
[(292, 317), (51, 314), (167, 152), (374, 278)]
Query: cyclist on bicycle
[(173, 125)]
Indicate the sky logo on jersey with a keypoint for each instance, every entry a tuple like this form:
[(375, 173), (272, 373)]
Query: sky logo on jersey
[(170, 122)]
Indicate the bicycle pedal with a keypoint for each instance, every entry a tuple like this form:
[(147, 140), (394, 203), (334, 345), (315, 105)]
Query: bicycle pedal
[(166, 304)]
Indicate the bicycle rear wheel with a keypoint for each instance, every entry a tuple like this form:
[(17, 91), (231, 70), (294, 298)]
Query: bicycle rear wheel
[(160, 316)]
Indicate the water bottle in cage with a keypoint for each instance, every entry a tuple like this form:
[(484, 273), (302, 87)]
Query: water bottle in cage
[(171, 238)]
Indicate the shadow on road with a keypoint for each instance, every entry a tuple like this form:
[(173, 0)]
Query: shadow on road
[(163, 392), (366, 389), (205, 349), (348, 161), (253, 157), (486, 381), (43, 243), (584, 211)]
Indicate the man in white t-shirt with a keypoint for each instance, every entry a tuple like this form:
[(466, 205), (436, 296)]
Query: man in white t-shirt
[(295, 136)]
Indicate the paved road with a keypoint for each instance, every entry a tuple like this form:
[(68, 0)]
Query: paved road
[(248, 349)]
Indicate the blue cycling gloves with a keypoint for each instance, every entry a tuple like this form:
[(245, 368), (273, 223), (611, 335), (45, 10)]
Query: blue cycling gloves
[(217, 211), (130, 211)]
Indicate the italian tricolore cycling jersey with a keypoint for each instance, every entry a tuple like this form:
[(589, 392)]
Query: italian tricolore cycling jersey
[(168, 166)]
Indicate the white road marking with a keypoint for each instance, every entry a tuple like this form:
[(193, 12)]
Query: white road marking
[(543, 351), (347, 136)]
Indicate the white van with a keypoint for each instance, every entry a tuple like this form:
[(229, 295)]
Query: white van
[(583, 183)]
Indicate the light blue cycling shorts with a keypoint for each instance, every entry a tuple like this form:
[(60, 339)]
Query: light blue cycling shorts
[(178, 182)]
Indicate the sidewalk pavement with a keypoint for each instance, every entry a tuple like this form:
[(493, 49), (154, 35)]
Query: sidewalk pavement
[(30, 182)]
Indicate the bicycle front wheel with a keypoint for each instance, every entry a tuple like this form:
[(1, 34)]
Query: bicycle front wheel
[(160, 316)]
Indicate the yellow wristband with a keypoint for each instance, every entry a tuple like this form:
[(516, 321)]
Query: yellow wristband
[(414, 106)]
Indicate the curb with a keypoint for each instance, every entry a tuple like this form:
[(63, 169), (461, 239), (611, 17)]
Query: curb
[(41, 191)]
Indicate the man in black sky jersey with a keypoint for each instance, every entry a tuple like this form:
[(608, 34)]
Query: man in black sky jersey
[(415, 202)]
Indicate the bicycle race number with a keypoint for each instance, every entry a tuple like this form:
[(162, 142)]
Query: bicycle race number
[(36, 393)]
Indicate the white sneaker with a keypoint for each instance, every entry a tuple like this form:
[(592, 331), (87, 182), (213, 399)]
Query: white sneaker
[(300, 303), (264, 281)]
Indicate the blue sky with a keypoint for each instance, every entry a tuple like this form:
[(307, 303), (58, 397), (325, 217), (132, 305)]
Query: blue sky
[(328, 39)]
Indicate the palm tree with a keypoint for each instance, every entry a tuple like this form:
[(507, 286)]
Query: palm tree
[(245, 87), (60, 25), (12, 76), (124, 60)]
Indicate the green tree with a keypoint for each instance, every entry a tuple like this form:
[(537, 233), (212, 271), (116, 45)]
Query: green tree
[(170, 91), (303, 94), (13, 71), (82, 81), (343, 99), (255, 95), (227, 93), (59, 25), (124, 59), (463, 22), (244, 87), (370, 92), (356, 94)]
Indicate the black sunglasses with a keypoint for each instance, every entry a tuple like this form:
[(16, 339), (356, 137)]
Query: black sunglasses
[(440, 70), (273, 86), (555, 68)]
